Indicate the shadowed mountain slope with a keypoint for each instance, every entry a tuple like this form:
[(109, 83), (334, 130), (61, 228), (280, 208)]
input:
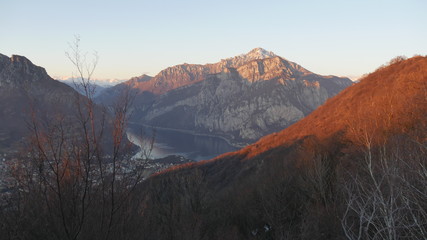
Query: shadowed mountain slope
[(25, 89)]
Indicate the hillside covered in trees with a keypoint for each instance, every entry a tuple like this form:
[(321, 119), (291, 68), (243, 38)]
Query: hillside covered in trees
[(355, 168)]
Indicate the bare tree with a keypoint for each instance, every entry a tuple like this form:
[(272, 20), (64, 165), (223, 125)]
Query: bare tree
[(386, 198), (77, 179)]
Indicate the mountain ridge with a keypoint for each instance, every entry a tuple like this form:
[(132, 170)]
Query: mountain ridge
[(185, 74), (24, 89), (241, 101), (240, 98)]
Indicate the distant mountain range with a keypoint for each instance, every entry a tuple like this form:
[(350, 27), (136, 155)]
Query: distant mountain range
[(241, 98), (99, 82), (95, 85)]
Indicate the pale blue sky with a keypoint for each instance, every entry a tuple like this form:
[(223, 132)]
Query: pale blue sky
[(341, 37)]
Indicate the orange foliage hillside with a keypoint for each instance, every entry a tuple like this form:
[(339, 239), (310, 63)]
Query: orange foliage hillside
[(297, 180), (391, 100)]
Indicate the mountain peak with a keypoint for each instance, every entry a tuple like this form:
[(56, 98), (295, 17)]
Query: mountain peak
[(254, 54), (260, 53), (18, 58), (18, 70), (142, 78)]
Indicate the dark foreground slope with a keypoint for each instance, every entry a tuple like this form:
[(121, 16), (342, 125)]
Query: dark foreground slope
[(342, 169)]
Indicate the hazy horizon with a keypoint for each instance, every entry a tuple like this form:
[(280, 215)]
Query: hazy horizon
[(134, 38)]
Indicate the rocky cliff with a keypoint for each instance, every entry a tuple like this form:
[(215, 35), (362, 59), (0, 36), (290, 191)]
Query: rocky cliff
[(241, 98), (185, 74), (245, 103)]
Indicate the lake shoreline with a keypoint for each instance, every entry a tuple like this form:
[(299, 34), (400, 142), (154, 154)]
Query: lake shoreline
[(169, 141), (191, 132)]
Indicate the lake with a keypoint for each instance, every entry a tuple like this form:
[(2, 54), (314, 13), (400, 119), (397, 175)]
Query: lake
[(171, 142)]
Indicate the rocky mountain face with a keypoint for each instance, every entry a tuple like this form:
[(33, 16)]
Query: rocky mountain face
[(24, 89), (186, 74), (241, 98), (17, 72)]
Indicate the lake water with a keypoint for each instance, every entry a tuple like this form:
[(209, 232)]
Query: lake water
[(170, 142)]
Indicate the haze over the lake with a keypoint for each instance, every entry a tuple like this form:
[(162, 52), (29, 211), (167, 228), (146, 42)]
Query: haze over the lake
[(344, 38)]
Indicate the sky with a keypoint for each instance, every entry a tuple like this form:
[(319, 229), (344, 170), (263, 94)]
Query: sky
[(341, 37)]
